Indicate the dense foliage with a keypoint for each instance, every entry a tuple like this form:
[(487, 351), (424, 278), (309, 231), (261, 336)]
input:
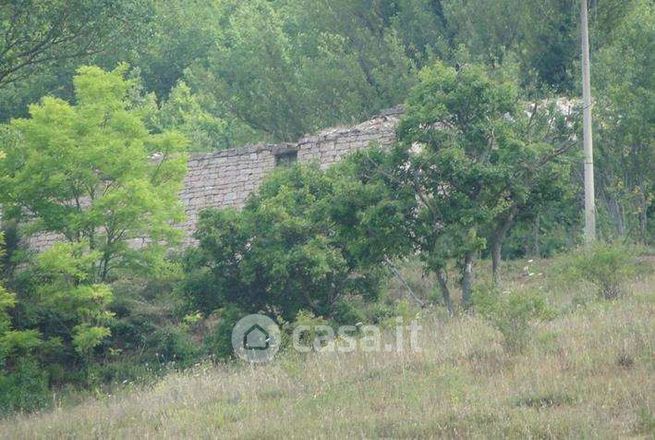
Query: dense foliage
[(310, 240), (87, 171), (278, 69), (476, 160), (84, 173), (100, 102)]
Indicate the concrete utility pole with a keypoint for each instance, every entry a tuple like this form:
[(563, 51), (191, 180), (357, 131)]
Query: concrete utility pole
[(589, 198)]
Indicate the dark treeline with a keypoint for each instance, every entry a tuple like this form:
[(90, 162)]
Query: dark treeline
[(278, 69)]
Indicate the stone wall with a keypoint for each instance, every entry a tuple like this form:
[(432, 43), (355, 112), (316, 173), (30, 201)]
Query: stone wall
[(329, 146), (226, 178)]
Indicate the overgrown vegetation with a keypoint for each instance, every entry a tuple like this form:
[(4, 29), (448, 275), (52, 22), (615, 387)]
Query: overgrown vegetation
[(571, 380), (309, 240), (482, 163), (103, 101), (512, 313), (607, 266)]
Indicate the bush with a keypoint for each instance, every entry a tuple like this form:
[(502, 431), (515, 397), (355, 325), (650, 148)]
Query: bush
[(511, 313), (349, 311), (219, 342), (173, 344), (306, 240), (607, 266), (313, 324), (24, 389)]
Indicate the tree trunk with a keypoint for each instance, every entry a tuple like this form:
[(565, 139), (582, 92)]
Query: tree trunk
[(643, 216), (496, 247), (467, 279), (442, 276), (537, 246), (497, 241)]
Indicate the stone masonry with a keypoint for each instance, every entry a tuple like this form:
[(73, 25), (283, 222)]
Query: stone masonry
[(226, 178)]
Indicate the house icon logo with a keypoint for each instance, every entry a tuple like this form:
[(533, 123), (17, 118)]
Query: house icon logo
[(255, 338)]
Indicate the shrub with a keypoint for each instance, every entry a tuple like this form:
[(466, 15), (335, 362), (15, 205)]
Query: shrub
[(349, 311), (173, 344), (312, 322), (24, 389), (219, 342), (307, 240), (511, 313), (607, 266)]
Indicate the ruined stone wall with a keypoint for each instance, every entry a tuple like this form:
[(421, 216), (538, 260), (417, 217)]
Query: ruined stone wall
[(226, 178), (223, 179), (329, 146)]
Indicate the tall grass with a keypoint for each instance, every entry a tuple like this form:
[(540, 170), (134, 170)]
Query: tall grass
[(588, 373)]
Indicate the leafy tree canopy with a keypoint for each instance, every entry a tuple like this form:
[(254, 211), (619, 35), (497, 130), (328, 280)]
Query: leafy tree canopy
[(308, 240), (475, 159), (38, 34), (92, 173)]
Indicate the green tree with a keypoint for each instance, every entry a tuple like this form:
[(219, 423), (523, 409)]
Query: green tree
[(540, 176), (424, 28), (278, 70), (93, 174), (61, 299), (625, 147), (182, 32), (23, 383), (371, 49), (251, 70), (306, 241), (58, 318), (541, 36), (184, 111), (37, 34), (475, 160)]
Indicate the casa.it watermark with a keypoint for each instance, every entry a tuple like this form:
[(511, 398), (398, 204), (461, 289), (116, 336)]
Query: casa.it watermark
[(257, 338)]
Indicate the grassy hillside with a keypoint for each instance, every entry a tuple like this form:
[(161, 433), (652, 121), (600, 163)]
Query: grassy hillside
[(589, 372)]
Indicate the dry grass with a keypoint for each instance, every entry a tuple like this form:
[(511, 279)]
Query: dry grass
[(590, 373)]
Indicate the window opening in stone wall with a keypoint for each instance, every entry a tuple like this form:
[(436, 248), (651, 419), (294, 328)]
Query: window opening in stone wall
[(286, 158)]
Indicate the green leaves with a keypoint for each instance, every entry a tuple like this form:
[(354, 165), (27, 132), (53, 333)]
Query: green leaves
[(13, 343), (608, 266), (460, 121), (86, 338), (512, 313), (476, 161), (64, 278), (625, 89), (279, 70), (87, 172), (306, 240), (7, 301), (93, 174), (187, 113), (62, 311), (37, 34), (18, 343)]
